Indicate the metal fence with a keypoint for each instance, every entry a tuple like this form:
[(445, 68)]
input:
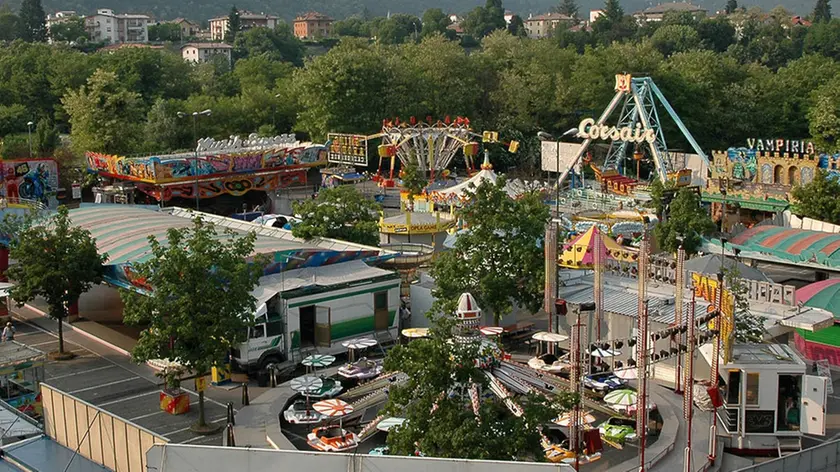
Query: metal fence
[(822, 458)]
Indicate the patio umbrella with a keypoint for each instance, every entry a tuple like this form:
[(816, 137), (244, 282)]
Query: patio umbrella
[(306, 384), (358, 343), (389, 423), (566, 419), (416, 332), (604, 352), (628, 373), (333, 408), (491, 330), (824, 294), (550, 337), (318, 360), (623, 397)]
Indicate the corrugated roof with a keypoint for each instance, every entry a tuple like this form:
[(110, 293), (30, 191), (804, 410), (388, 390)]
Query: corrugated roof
[(45, 455), (626, 303)]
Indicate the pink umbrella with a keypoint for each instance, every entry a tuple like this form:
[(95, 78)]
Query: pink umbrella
[(805, 293)]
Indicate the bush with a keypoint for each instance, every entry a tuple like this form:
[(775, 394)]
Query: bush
[(15, 146)]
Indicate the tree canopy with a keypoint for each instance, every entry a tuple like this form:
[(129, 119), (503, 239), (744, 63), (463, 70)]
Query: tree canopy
[(200, 300), (822, 11), (686, 220), (818, 198), (32, 21), (341, 213), (57, 261), (499, 257)]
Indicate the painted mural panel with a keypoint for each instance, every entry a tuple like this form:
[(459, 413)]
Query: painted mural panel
[(34, 179)]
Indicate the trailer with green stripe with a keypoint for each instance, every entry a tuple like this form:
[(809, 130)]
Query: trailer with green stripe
[(317, 308)]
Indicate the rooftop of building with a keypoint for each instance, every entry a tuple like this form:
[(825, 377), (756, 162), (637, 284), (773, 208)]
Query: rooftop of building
[(671, 6), (549, 17), (247, 15), (313, 16), (114, 47), (208, 46), (764, 354)]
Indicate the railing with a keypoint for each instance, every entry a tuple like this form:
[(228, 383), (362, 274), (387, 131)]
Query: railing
[(28, 202), (729, 418)]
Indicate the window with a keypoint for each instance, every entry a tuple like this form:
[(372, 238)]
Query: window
[(258, 332), (274, 328), (733, 388), (752, 389)]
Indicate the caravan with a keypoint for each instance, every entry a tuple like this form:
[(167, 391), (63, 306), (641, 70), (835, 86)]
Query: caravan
[(314, 309)]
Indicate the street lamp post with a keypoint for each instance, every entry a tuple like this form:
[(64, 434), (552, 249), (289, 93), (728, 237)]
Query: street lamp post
[(29, 128), (274, 112), (195, 116)]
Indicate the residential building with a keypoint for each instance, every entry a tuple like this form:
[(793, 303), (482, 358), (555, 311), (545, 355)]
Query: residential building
[(247, 20), (312, 25), (204, 52), (595, 14), (657, 12), (105, 25), (508, 16), (541, 26), (189, 29), (60, 17)]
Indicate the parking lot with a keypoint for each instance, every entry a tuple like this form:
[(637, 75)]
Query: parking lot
[(109, 380)]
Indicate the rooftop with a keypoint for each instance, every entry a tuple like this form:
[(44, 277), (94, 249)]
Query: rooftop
[(795, 245), (208, 46), (44, 454), (549, 17), (247, 15), (763, 354), (313, 16), (673, 6)]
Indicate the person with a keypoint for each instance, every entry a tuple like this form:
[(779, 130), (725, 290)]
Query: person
[(8, 332)]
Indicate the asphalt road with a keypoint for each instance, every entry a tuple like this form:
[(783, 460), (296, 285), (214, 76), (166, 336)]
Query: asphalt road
[(108, 379)]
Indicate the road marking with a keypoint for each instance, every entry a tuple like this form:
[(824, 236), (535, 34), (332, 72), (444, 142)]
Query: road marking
[(133, 397), (153, 414), (81, 372), (43, 343), (105, 385), (188, 427)]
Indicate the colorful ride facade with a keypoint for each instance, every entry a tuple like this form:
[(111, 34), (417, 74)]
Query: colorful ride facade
[(232, 166)]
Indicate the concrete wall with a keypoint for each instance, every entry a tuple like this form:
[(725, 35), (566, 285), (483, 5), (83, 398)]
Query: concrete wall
[(822, 458), (177, 458)]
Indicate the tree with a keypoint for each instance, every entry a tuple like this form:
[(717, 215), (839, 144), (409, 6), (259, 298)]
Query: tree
[(818, 198), (687, 220), (58, 262), (9, 28), (435, 21), (46, 139), (398, 29), (749, 328), (163, 130), (481, 21), (436, 366), (165, 32), (234, 25), (341, 213), (499, 259), (353, 26), (822, 11), (716, 34), (823, 38), (413, 180), (70, 30), (731, 6), (613, 11), (32, 21), (516, 27), (104, 115), (278, 44), (199, 302), (671, 39), (568, 8)]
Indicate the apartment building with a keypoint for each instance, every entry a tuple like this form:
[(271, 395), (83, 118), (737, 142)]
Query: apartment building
[(248, 20), (189, 29), (312, 25), (204, 52), (105, 25), (542, 26)]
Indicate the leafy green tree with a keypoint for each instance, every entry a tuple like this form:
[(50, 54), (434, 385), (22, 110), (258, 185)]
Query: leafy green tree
[(45, 140), (8, 24), (481, 21), (435, 21), (165, 32), (398, 29), (731, 6), (234, 25), (57, 261), (443, 425), (151, 73), (749, 327), (32, 21), (824, 38), (413, 180), (818, 198), (13, 119), (163, 130), (671, 39), (687, 219), (105, 116), (613, 11), (822, 11), (516, 27), (341, 213), (613, 25), (15, 146), (352, 26), (69, 30), (278, 44), (200, 300), (716, 34), (568, 8), (498, 259)]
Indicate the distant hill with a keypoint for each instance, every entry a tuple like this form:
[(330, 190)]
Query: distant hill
[(203, 10)]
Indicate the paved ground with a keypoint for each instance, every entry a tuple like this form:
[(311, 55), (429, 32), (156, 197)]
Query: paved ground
[(108, 379)]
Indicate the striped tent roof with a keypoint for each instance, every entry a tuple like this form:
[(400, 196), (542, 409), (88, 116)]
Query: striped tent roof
[(122, 232), (796, 245)]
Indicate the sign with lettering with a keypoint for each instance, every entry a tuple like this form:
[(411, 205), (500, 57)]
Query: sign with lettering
[(347, 149), (589, 129), (235, 143), (707, 289), (623, 82), (792, 146)]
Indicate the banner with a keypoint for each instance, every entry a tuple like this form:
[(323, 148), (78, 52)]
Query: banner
[(707, 288)]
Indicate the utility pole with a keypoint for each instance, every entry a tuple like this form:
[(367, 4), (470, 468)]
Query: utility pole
[(551, 278), (195, 167), (678, 313)]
